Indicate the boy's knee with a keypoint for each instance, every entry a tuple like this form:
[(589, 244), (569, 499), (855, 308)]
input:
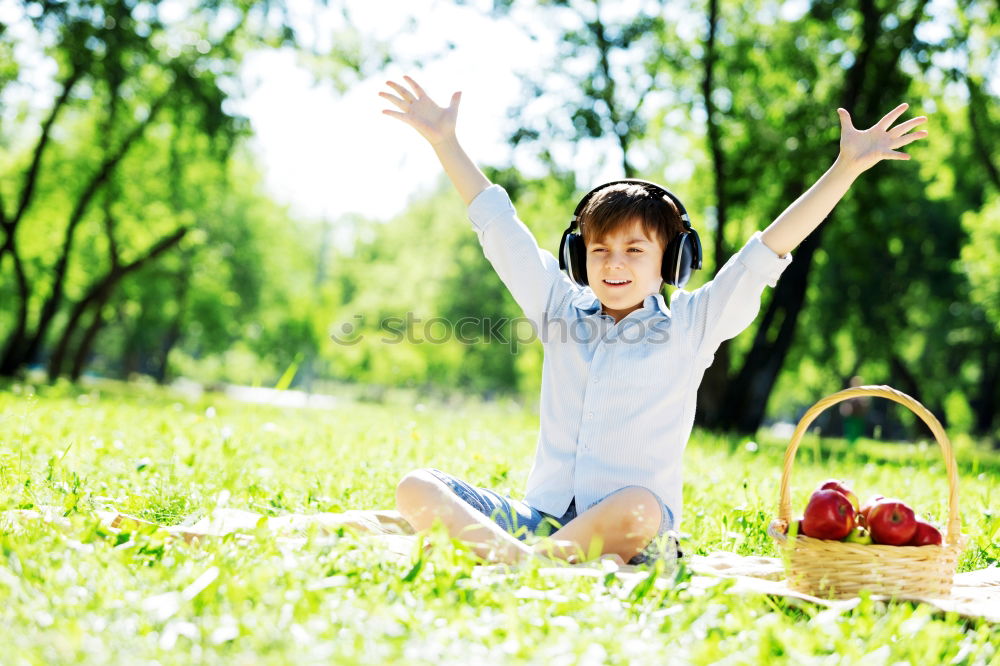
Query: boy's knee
[(642, 512), (415, 489)]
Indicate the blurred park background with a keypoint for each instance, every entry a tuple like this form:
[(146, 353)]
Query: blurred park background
[(206, 191)]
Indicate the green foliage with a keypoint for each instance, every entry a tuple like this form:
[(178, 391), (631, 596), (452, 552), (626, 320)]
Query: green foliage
[(981, 258), (84, 594), (447, 319), (132, 219)]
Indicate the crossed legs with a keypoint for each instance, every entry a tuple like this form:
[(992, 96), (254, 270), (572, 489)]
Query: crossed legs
[(621, 524)]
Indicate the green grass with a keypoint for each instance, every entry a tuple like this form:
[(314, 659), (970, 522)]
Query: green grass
[(90, 597)]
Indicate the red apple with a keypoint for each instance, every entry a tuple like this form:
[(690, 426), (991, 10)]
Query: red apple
[(891, 522), (841, 487), (829, 515), (863, 514), (926, 535)]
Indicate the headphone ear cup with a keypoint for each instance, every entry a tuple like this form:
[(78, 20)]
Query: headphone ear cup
[(578, 255), (673, 258), (694, 242), (684, 262)]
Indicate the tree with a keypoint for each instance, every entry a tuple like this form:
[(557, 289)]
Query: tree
[(236, 282), (98, 46), (872, 83), (128, 83)]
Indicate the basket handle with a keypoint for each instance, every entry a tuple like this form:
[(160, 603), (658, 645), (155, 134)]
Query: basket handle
[(785, 504)]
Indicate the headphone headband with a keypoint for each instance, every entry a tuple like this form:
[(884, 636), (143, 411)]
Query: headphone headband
[(632, 181)]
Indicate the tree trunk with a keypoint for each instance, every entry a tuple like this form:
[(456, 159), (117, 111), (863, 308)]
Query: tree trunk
[(16, 341), (131, 355), (86, 344), (170, 340), (176, 329), (906, 381), (748, 392), (31, 175), (747, 395), (713, 385), (978, 110), (100, 293), (607, 91), (986, 402), (51, 306), (96, 298)]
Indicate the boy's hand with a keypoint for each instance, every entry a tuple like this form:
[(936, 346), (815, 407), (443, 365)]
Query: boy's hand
[(862, 149), (859, 150), (436, 124)]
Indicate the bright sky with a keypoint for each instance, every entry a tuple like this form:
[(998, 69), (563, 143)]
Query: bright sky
[(329, 154)]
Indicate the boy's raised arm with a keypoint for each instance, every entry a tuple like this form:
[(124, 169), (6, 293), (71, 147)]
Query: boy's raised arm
[(725, 306), (531, 274), (437, 125), (859, 150)]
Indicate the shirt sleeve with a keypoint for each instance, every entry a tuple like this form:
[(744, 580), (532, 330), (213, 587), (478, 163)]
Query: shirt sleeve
[(724, 307), (531, 274)]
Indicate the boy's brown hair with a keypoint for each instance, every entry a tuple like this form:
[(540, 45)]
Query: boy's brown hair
[(618, 205)]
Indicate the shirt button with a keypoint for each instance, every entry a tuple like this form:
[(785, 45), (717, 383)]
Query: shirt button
[(590, 415), (595, 380)]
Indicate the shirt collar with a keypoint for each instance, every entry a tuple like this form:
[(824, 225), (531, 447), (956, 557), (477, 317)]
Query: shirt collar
[(654, 303)]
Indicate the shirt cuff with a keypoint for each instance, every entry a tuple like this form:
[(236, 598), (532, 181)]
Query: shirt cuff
[(762, 260), (491, 203)]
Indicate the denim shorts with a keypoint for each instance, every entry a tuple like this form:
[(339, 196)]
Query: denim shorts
[(522, 520)]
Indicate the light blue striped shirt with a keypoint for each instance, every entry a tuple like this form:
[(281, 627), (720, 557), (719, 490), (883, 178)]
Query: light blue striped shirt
[(617, 401)]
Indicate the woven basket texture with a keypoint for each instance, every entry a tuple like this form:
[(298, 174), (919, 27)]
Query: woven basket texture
[(841, 569)]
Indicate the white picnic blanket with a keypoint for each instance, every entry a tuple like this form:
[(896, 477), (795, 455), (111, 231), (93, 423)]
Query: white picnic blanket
[(975, 594)]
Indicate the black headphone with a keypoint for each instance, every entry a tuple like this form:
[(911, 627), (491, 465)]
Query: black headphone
[(681, 256)]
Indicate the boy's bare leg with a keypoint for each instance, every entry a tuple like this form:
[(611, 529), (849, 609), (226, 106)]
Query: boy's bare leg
[(421, 498), (622, 524)]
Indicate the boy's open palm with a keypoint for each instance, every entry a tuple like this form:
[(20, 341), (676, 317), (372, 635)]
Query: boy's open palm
[(863, 149), (419, 111)]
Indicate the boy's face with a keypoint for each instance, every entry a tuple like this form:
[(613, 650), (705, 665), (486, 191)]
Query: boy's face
[(629, 257)]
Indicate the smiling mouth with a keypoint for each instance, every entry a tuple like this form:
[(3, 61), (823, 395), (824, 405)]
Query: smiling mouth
[(624, 283)]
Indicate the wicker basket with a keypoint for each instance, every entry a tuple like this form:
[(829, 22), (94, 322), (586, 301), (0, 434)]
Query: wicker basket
[(839, 569)]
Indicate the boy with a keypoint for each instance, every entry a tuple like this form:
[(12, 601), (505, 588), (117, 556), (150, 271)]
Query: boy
[(618, 387)]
